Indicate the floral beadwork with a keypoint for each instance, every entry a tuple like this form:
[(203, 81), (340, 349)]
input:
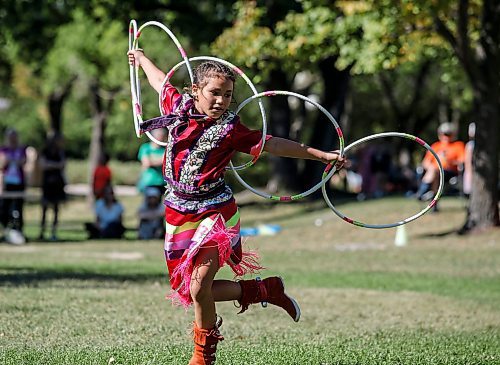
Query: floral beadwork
[(197, 206)]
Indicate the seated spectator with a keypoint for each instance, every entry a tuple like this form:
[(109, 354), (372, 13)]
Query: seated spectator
[(451, 155), (108, 213), (102, 176), (151, 215)]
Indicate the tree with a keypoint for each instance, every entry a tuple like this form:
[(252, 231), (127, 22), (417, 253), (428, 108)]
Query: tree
[(249, 44), (280, 40), (28, 28), (470, 32), (373, 37), (92, 63), (476, 43), (307, 40), (28, 31)]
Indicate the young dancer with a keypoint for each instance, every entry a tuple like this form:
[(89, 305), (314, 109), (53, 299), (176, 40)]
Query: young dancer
[(202, 219)]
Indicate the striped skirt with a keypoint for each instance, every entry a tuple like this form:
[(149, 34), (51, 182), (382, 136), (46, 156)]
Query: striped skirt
[(187, 233)]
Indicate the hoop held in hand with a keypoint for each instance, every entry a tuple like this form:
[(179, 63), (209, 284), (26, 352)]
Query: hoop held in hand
[(404, 221), (135, 84), (330, 167)]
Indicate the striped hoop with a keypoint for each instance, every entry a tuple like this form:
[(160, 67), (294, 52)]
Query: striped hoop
[(404, 221), (239, 72), (135, 84), (330, 168), (135, 90)]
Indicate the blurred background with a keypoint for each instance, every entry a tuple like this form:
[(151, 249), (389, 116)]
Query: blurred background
[(415, 294), (376, 66)]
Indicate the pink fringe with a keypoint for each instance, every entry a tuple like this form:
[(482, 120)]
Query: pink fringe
[(249, 264), (219, 237)]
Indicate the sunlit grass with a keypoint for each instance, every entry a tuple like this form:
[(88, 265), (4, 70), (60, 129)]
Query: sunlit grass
[(363, 300)]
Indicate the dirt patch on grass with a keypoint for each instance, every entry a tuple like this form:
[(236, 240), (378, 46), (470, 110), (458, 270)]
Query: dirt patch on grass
[(360, 246), (18, 249), (109, 255), (124, 255)]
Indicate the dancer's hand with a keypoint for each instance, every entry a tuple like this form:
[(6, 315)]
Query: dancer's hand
[(335, 156), (135, 56)]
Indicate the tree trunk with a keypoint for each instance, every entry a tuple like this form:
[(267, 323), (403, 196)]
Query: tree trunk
[(97, 141), (336, 85), (483, 72), (483, 203), (55, 104), (481, 65), (283, 173)]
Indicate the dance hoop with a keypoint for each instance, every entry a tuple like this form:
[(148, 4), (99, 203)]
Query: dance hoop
[(134, 79), (172, 37), (239, 72), (404, 221), (330, 167), (134, 72)]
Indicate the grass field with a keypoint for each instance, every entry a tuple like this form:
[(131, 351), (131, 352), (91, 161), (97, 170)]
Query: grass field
[(363, 300)]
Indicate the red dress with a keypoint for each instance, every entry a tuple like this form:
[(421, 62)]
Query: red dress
[(200, 208)]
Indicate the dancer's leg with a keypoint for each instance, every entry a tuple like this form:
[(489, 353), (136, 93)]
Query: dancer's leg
[(206, 265), (226, 290)]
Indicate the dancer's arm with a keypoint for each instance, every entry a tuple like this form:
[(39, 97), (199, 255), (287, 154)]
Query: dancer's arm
[(287, 148), (154, 74)]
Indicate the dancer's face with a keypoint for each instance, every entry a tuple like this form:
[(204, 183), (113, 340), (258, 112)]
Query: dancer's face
[(214, 97)]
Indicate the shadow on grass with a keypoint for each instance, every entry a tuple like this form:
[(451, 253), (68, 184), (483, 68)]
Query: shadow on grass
[(306, 205), (453, 231), (72, 233), (68, 240), (29, 276), (316, 203)]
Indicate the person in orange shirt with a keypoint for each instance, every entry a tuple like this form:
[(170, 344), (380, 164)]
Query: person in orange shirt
[(451, 154)]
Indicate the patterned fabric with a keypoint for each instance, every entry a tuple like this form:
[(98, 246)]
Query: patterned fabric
[(200, 208), (179, 238), (194, 206), (198, 150)]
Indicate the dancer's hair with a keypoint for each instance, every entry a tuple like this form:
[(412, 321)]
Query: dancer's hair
[(210, 69)]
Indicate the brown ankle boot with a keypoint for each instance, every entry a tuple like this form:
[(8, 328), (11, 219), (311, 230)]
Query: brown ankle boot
[(205, 345), (270, 290)]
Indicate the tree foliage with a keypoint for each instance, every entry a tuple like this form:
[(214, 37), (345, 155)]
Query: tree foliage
[(455, 42), (399, 64)]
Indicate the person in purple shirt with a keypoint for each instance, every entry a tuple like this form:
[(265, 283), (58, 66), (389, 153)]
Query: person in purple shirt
[(12, 161)]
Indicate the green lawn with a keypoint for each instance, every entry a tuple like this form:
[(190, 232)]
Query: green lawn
[(363, 300)]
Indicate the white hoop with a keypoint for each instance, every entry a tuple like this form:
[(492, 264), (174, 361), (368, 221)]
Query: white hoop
[(134, 78), (404, 221), (174, 39), (330, 167), (249, 83), (135, 84)]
